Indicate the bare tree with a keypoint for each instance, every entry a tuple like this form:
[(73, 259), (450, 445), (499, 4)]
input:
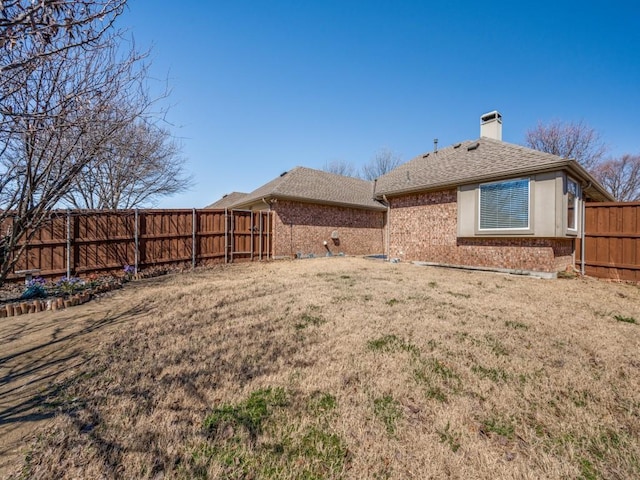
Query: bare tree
[(383, 162), (577, 141), (621, 176), (58, 113), (32, 30), (133, 170), (341, 167)]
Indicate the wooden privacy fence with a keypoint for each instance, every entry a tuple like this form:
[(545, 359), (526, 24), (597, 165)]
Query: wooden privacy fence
[(612, 241), (76, 242)]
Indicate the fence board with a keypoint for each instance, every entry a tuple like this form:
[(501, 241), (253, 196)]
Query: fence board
[(104, 241), (612, 241)]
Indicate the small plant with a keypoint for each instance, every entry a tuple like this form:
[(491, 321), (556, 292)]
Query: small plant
[(35, 289), (327, 450), (388, 411), (250, 414), (434, 375), (494, 374), (70, 285), (459, 295), (129, 270), (624, 319), (92, 280), (392, 302), (321, 403), (433, 284), (392, 343), (307, 320), (568, 275), (516, 325), (450, 438), (501, 427), (496, 346), (37, 282), (587, 470)]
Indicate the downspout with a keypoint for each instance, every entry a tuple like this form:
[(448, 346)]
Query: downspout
[(583, 241), (386, 203), (388, 229), (268, 228)]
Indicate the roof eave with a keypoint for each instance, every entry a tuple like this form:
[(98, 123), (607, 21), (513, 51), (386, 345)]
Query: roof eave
[(593, 186), (571, 165), (272, 197)]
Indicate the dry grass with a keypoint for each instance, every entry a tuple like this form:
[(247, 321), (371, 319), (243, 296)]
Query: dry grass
[(348, 368)]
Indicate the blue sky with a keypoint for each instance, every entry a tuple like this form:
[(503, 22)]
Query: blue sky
[(259, 87)]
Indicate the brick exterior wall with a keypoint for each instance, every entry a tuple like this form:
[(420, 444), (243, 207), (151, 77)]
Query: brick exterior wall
[(302, 227), (424, 227)]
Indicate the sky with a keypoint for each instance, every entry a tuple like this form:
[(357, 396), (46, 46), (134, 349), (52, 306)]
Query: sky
[(259, 87)]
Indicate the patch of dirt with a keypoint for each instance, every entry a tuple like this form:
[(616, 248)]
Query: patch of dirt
[(40, 352)]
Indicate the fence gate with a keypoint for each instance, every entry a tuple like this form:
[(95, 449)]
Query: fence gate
[(612, 241), (248, 235)]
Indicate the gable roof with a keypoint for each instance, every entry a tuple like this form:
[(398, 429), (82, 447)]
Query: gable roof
[(227, 200), (474, 161), (316, 186)]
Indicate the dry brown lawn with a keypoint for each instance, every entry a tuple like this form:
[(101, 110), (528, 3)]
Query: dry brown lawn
[(341, 368)]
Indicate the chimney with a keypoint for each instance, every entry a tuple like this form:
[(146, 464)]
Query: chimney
[(491, 125)]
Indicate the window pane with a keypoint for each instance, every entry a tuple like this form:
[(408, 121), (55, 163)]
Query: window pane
[(572, 204), (504, 205)]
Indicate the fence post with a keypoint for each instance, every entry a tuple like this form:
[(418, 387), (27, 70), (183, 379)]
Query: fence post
[(68, 243), (226, 237), (252, 234), (260, 236), (193, 240), (136, 241), (232, 240)]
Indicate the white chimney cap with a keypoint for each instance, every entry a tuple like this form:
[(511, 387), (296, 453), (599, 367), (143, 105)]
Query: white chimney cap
[(491, 125)]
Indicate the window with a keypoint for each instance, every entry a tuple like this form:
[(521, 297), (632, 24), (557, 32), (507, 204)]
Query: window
[(505, 205), (572, 204)]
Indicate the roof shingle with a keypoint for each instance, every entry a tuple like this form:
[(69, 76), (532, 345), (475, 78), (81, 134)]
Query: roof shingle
[(228, 200), (317, 186), (473, 161)]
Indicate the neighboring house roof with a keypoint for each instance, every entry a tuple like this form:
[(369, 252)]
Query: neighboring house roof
[(315, 186), (474, 161), (227, 200)]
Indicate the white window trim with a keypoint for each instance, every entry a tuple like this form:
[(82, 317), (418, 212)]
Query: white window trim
[(575, 207), (505, 229)]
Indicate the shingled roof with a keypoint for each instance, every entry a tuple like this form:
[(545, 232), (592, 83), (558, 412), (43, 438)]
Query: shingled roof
[(228, 200), (475, 161), (315, 186)]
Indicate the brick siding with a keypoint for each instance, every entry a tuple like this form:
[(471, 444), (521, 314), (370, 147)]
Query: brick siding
[(424, 227), (302, 228)]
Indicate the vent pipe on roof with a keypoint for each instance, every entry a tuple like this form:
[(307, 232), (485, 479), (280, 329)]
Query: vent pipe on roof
[(435, 145), (491, 125)]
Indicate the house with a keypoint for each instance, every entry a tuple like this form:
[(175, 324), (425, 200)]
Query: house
[(319, 213), (479, 203), (487, 203)]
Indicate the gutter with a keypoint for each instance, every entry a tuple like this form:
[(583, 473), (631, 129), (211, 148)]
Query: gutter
[(387, 204), (583, 240), (269, 246), (357, 206)]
